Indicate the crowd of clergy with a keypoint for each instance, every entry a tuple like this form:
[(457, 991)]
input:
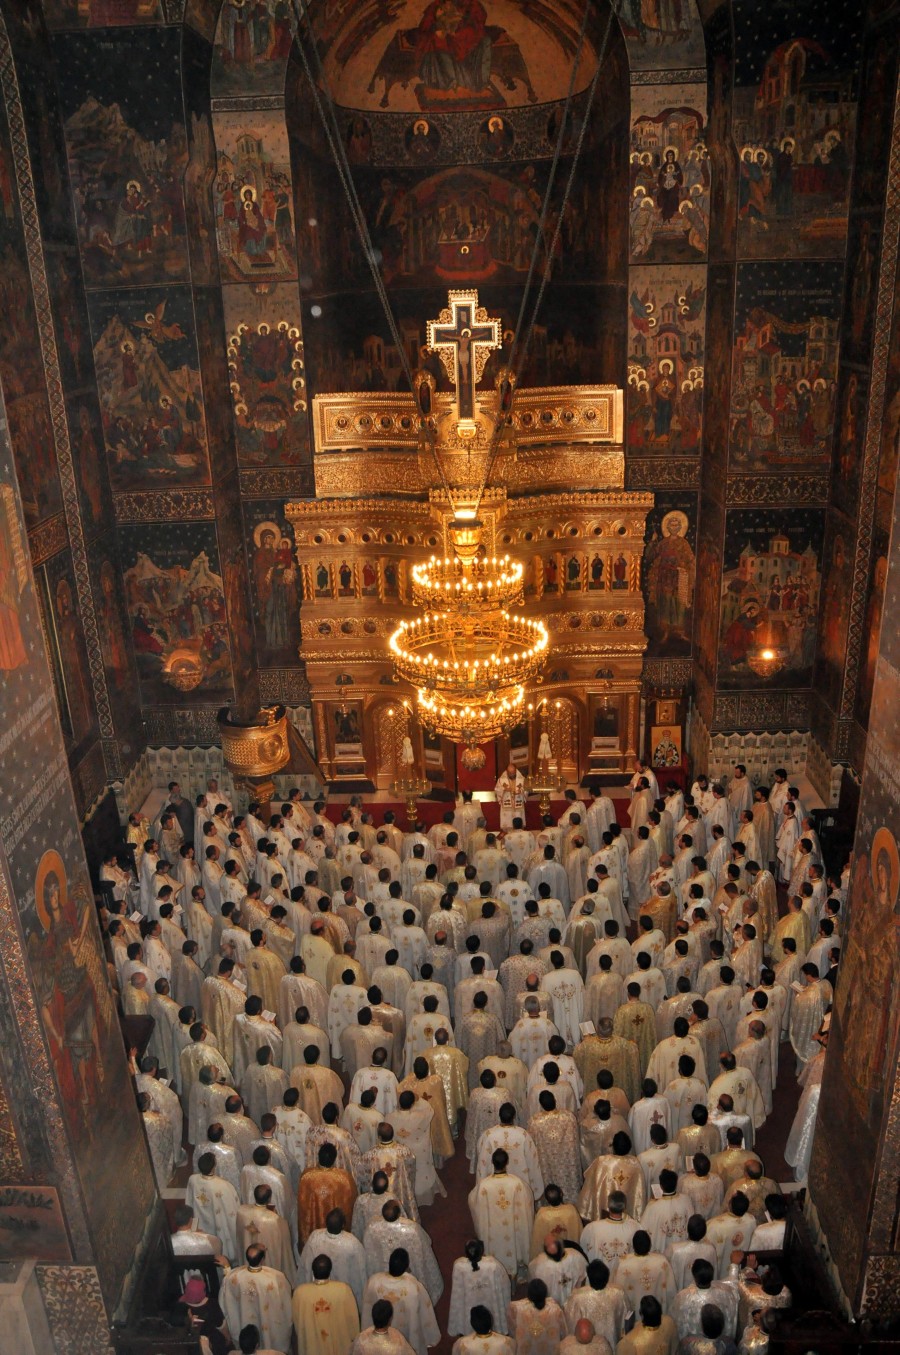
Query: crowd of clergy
[(592, 1013)]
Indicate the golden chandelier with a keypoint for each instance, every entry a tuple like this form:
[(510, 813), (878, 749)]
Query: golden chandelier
[(469, 657)]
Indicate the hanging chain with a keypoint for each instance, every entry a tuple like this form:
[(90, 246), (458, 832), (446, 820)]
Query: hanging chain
[(503, 416)]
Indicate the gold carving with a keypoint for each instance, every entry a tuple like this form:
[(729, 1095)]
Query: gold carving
[(258, 750)]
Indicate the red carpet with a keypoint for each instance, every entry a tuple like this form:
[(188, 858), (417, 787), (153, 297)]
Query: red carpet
[(433, 811)]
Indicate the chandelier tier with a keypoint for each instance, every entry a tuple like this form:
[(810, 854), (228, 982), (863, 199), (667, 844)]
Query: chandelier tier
[(451, 585), (469, 657)]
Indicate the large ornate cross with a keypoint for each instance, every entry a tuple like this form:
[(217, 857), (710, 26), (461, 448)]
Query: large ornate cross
[(462, 336)]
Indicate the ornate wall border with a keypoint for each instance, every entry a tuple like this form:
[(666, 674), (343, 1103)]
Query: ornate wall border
[(881, 339), (34, 248), (171, 505), (754, 491)]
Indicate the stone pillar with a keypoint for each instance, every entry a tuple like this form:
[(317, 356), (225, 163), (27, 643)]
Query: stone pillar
[(855, 1170), (75, 1182)]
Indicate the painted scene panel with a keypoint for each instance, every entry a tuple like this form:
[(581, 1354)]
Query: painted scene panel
[(666, 336), (253, 198), (419, 55), (670, 174), (175, 597), (770, 597), (784, 365), (794, 126), (124, 128), (267, 375), (148, 379)]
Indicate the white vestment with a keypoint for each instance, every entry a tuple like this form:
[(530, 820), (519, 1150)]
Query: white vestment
[(261, 1298), (503, 1213), (488, 1285)]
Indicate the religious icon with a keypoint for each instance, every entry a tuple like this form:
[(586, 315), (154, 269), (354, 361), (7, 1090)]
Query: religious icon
[(275, 577), (70, 984), (369, 578), (620, 572), (391, 581), (322, 581), (496, 136), (596, 577), (573, 573), (551, 574), (666, 746), (13, 577), (347, 736), (345, 580), (669, 575), (359, 140), (605, 728), (422, 140)]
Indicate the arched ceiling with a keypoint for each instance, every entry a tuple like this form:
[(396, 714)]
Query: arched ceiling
[(452, 55)]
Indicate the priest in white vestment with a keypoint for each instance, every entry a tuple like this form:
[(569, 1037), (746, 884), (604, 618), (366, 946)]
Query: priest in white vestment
[(215, 1204), (502, 1209), (259, 1295), (346, 1253), (413, 1311), (511, 795), (477, 1279)]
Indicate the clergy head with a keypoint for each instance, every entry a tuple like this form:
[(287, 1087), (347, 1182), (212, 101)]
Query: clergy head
[(321, 1268), (738, 1204), (641, 1243), (686, 1066), (633, 992), (621, 1144), (604, 1030), (658, 1135), (330, 1113), (734, 1135), (379, 1182), (216, 1133), (602, 1108), (382, 1314), (310, 1054), (327, 1155), (668, 1179), (537, 1294), (810, 974), (598, 1271), (398, 1263), (696, 1224), (547, 1101), (499, 1161), (262, 1195), (442, 1036), (206, 1164), (703, 1272), (616, 1204)]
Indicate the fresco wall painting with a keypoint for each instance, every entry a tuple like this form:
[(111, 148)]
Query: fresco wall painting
[(770, 595)]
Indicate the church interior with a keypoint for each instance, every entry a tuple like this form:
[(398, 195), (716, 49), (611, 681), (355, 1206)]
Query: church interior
[(448, 697)]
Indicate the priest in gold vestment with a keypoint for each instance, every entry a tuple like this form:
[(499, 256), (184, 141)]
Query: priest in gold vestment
[(323, 1188)]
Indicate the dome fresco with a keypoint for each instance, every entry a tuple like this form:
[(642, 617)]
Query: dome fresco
[(453, 54)]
